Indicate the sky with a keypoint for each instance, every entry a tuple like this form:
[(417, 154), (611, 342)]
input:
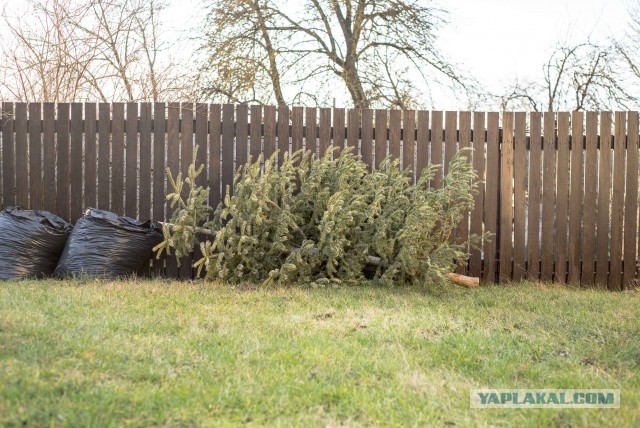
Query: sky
[(496, 41)]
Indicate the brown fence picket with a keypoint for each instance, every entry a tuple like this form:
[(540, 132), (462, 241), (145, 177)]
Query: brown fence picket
[(492, 189), (436, 148), (395, 133), (464, 141), (144, 196), (575, 197), (255, 133), (476, 221), (228, 141), (215, 134), (22, 159), (131, 159), (202, 123), (590, 199), (535, 196), (8, 157), (506, 198), (366, 139), (409, 140), (35, 156), (283, 132), (269, 146), (562, 198), (324, 136), (62, 158), (631, 202), (104, 156), (353, 129), (604, 201), (159, 163), (90, 156), (187, 111), (117, 158), (49, 154), (75, 162), (617, 200), (173, 163), (339, 127), (297, 129), (380, 151), (519, 197), (310, 124), (422, 143), (548, 196), (450, 138)]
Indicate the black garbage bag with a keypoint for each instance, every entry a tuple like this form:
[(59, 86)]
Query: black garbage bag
[(30, 242), (105, 245)]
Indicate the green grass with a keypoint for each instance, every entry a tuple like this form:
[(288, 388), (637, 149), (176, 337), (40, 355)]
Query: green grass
[(176, 354)]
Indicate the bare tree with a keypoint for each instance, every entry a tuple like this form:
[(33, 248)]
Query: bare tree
[(99, 49), (584, 76), (379, 51)]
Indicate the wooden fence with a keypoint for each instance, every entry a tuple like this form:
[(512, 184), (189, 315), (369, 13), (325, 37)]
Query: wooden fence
[(559, 192)]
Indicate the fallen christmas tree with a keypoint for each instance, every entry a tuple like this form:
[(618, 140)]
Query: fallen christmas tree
[(323, 221)]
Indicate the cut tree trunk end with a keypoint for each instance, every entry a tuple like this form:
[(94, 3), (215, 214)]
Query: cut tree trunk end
[(465, 281)]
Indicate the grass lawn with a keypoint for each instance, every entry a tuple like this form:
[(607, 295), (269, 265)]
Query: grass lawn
[(176, 354)]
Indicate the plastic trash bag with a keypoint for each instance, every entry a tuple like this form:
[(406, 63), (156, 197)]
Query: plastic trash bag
[(105, 245), (31, 242)]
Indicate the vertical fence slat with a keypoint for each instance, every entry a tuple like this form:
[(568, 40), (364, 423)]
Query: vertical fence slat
[(49, 155), (62, 172), (436, 147), (617, 200), (173, 163), (409, 140), (506, 198), (366, 137), (310, 126), (186, 157), (75, 157), (575, 198), (380, 137), (228, 142), (324, 139), (604, 201), (201, 142), (475, 227), (422, 143), (159, 193), (450, 138), (255, 134), (90, 155), (242, 134), (144, 198), (463, 229), (131, 167), (562, 198), (519, 197), (590, 198), (8, 157), (117, 158), (297, 128), (491, 207), (283, 132), (22, 161), (631, 202), (35, 156), (215, 132), (269, 131), (338, 130), (104, 155), (535, 189), (353, 129), (395, 129), (548, 196)]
